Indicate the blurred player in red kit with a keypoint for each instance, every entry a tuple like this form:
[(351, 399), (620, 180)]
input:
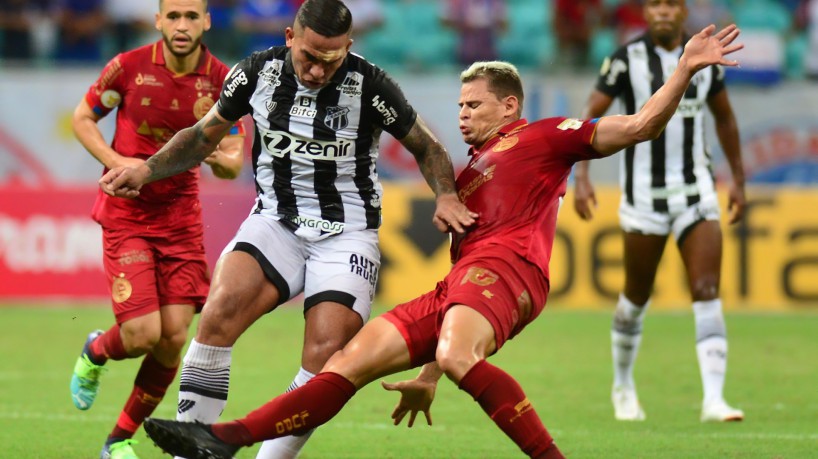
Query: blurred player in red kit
[(153, 246), (499, 282)]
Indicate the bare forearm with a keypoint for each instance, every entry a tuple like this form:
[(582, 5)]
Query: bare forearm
[(91, 138), (430, 372), (437, 169), (185, 150), (432, 158), (727, 132), (655, 114)]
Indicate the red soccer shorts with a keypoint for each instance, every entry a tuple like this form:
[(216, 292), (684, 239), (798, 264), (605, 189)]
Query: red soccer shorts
[(148, 272), (507, 290)]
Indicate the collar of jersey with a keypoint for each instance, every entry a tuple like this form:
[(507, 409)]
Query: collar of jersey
[(204, 60), (504, 131)]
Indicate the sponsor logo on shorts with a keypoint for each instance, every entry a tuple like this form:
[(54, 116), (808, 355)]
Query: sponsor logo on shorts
[(280, 144), (316, 223), (364, 267), (135, 256), (121, 289)]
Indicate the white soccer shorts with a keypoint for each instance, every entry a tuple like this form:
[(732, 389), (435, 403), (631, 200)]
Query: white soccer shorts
[(633, 220), (342, 268)]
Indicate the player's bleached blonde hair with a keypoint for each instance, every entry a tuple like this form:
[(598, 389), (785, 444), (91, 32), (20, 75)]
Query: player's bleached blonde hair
[(503, 79)]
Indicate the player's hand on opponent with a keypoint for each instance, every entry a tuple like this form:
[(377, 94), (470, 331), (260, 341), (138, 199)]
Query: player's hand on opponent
[(584, 198), (415, 395), (706, 48), (736, 203), (125, 182), (451, 214)]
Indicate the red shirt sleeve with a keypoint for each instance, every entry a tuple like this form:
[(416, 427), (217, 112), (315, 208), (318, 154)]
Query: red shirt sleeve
[(106, 93)]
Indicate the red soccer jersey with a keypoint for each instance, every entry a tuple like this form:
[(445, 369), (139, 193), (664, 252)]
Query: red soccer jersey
[(516, 181), (154, 103)]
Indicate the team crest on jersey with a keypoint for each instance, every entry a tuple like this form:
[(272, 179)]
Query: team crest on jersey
[(271, 75), (505, 143), (351, 85), (271, 105), (337, 118), (202, 106)]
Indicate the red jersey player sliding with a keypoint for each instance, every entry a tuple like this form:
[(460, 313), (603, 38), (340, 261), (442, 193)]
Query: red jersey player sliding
[(499, 281), (153, 246)]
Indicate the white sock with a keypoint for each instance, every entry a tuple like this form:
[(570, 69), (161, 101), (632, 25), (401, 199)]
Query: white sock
[(711, 347), (626, 335), (204, 381), (287, 447)]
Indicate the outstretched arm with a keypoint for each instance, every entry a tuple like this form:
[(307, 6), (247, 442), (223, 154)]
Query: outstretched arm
[(436, 167), (186, 149), (617, 132)]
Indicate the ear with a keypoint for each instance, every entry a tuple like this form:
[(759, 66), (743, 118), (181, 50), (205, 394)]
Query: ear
[(158, 22), (207, 22), (512, 105), (289, 34)]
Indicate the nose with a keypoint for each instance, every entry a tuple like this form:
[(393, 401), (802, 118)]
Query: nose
[(317, 71), (463, 112)]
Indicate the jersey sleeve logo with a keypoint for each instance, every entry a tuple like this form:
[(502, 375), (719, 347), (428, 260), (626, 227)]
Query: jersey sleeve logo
[(570, 123), (238, 79), (615, 67), (390, 115), (110, 98)]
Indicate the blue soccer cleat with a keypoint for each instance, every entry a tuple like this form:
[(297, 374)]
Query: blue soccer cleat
[(85, 380)]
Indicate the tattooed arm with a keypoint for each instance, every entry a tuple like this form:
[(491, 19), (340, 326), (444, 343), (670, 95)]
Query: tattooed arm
[(436, 167), (185, 150)]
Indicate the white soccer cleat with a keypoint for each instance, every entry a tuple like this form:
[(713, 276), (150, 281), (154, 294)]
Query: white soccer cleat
[(626, 404), (720, 411)]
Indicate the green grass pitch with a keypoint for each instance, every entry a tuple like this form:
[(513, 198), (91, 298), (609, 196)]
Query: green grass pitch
[(562, 361)]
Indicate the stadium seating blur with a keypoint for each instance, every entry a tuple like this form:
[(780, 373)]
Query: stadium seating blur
[(412, 38)]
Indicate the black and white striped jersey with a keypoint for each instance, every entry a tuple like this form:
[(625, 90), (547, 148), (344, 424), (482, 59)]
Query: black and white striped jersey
[(674, 171), (315, 150)]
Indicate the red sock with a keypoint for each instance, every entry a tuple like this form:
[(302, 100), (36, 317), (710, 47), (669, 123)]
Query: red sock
[(502, 398), (108, 346), (293, 413), (150, 385)]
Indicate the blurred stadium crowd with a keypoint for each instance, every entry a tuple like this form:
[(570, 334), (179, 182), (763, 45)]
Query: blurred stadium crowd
[(408, 35)]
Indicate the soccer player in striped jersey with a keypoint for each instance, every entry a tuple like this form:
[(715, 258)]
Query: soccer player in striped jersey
[(319, 112), (668, 188), (498, 284)]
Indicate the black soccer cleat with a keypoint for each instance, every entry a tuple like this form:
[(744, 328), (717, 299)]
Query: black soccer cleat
[(191, 440)]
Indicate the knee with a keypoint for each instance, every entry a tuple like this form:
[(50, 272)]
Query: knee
[(140, 340), (318, 350), (454, 363), (174, 341), (705, 288)]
